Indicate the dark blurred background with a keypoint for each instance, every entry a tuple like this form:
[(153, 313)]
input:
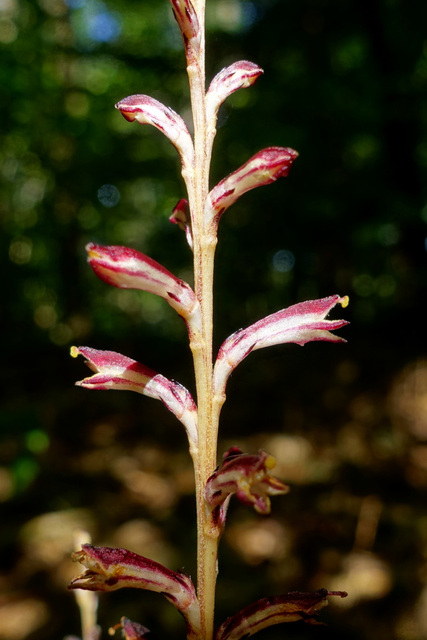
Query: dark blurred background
[(345, 84)]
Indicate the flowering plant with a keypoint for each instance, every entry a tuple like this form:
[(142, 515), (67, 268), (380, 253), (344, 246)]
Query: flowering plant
[(246, 475)]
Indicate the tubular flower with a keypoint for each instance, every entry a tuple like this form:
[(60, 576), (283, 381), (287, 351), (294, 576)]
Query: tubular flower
[(263, 168), (115, 371), (109, 569), (239, 75), (266, 612), (301, 323), (187, 20), (246, 475), (127, 268), (147, 110)]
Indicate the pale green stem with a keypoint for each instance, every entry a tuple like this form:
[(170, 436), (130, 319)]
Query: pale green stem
[(201, 345)]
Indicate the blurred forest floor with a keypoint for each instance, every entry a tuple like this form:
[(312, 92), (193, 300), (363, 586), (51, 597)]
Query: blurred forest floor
[(345, 84)]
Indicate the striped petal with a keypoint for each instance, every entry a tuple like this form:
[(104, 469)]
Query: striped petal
[(301, 323), (147, 110), (109, 569), (266, 612), (239, 75), (129, 269), (247, 476), (118, 372), (263, 168)]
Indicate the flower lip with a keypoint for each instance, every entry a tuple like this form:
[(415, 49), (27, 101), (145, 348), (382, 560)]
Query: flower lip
[(246, 475)]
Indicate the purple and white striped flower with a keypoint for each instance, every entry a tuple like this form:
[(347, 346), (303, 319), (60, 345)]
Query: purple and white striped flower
[(263, 168), (239, 75), (127, 268), (118, 372), (248, 476), (147, 110), (300, 323), (266, 612), (109, 569)]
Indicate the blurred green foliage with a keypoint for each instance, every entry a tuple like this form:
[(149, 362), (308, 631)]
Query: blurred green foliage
[(345, 84)]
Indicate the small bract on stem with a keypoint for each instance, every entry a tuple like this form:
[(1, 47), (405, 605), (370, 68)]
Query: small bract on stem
[(246, 475)]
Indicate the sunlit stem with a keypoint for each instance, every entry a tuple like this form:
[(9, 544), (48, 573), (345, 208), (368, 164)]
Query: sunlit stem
[(201, 344)]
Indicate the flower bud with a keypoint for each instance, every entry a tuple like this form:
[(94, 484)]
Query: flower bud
[(264, 167), (239, 75), (147, 110), (131, 630), (186, 17)]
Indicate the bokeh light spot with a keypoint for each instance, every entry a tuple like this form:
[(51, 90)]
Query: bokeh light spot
[(108, 195), (45, 316), (6, 484), (22, 617), (20, 250), (37, 441), (283, 261), (24, 472), (77, 104), (388, 234), (364, 285), (103, 25), (8, 31), (386, 285)]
